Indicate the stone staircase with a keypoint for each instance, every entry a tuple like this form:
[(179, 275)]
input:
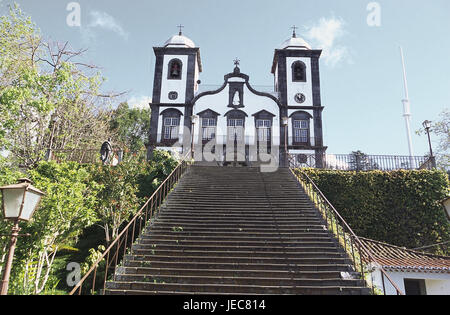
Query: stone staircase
[(235, 230)]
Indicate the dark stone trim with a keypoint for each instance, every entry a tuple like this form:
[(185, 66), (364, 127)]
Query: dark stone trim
[(208, 113), (247, 84), (179, 51), (282, 79), (235, 113), (293, 53), (318, 134), (306, 107), (300, 114), (171, 110), (157, 81), (263, 114), (154, 124), (190, 79), (315, 75)]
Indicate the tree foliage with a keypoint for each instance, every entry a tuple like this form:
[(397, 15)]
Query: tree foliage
[(132, 126), (50, 98)]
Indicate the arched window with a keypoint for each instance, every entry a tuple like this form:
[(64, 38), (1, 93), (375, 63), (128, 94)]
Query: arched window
[(174, 69), (298, 72), (301, 128), (171, 119)]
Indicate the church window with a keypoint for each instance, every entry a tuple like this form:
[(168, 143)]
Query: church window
[(174, 70), (298, 72), (209, 126), (301, 131), (171, 128), (263, 127), (235, 129)]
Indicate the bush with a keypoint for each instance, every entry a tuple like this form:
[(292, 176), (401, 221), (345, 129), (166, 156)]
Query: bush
[(400, 207)]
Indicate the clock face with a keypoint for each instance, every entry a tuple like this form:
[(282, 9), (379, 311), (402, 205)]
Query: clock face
[(300, 98)]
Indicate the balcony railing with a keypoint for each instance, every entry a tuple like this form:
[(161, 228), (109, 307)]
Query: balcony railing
[(360, 162)]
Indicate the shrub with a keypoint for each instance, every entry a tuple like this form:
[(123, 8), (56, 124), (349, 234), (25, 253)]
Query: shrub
[(399, 207)]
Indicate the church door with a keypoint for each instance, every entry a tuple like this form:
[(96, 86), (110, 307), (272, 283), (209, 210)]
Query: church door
[(236, 137), (264, 135)]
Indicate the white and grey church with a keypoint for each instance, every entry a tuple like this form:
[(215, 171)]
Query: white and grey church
[(236, 123)]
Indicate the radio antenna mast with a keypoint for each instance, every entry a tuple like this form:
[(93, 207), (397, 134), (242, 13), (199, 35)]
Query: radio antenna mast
[(407, 111)]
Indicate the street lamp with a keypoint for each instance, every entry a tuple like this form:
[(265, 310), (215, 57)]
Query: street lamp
[(194, 119), (427, 125), (285, 122), (19, 203)]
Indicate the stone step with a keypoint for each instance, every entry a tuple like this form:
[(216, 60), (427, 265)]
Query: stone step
[(237, 260), (281, 274), (341, 267), (235, 230), (235, 280), (292, 249), (235, 254), (155, 288)]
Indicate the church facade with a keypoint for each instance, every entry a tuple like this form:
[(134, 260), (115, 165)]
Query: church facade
[(236, 123)]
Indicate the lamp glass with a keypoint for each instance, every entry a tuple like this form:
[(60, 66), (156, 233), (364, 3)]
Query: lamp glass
[(31, 201), (12, 201), (426, 124)]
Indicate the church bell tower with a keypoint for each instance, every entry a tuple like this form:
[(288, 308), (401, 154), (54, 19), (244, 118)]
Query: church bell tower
[(296, 78), (177, 69)]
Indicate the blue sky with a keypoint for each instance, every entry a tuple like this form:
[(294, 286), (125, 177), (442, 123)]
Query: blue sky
[(361, 74)]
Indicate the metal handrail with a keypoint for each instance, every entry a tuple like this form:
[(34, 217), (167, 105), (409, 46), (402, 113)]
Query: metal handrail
[(125, 239), (318, 198)]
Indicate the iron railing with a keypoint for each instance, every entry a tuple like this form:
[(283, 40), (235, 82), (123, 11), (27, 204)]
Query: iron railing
[(117, 250), (361, 162), (362, 258)]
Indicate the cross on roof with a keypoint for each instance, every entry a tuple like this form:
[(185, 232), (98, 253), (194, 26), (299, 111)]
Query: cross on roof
[(293, 33), (180, 27), (236, 62)]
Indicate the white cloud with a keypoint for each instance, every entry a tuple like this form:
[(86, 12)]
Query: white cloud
[(104, 21), (141, 102), (325, 35)]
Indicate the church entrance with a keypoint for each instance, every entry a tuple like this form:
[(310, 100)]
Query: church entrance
[(235, 151), (264, 135)]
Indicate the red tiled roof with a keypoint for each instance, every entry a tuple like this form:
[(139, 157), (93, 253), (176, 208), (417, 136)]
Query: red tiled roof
[(396, 258)]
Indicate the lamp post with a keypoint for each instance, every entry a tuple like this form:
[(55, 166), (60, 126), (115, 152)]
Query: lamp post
[(427, 125), (193, 121), (285, 122), (19, 203)]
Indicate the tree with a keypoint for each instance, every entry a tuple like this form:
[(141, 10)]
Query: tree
[(50, 98), (441, 129), (66, 209), (132, 126), (359, 161)]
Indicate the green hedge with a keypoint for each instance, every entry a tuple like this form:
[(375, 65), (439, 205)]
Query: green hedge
[(399, 207)]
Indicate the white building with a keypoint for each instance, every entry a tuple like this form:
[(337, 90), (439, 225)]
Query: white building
[(237, 123), (413, 272)]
